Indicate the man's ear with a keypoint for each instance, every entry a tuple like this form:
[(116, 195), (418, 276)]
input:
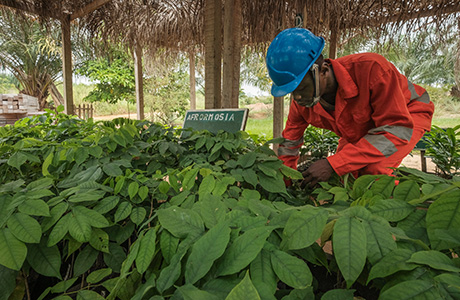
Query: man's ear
[(325, 67)]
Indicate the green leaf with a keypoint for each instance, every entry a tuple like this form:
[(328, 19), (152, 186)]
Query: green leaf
[(435, 260), (12, 251), (247, 160), (443, 214), (88, 295), (171, 273), (98, 275), (163, 187), (63, 286), (189, 292), (212, 209), (7, 282), (291, 173), (99, 240), (115, 258), (123, 211), (349, 244), (168, 245), (384, 186), (25, 228), (338, 294), (189, 179), (79, 227), (250, 176), (380, 241), (262, 273), (17, 160), (138, 215), (45, 260), (267, 170), (207, 185), (244, 290), (112, 169), (107, 204), (291, 270), (391, 210), (146, 250), (304, 227), (411, 290), (243, 250), (133, 188), (119, 185), (205, 251), (143, 192), (391, 263), (180, 222), (55, 214), (35, 208), (407, 191), (94, 218), (91, 195), (47, 163), (85, 260), (272, 184), (59, 230)]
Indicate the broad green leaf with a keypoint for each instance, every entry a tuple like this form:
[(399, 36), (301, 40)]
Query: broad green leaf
[(212, 209), (349, 243), (247, 160), (384, 186), (443, 214), (407, 191), (115, 258), (411, 290), (11, 186), (35, 208), (59, 230), (180, 222), (435, 260), (119, 185), (81, 154), (146, 250), (131, 257), (99, 240), (338, 294), (45, 260), (244, 290), (46, 163), (12, 251), (304, 227), (107, 204), (362, 184), (79, 227), (7, 282), (391, 263), (243, 250), (98, 275), (17, 160), (291, 270), (143, 192), (250, 176), (190, 292), (291, 173), (163, 187), (380, 241), (112, 169), (138, 215), (168, 245), (272, 184), (40, 184), (88, 295), (25, 228), (55, 214), (63, 286), (303, 294), (171, 273), (207, 185), (91, 195), (123, 211), (391, 210), (133, 188), (267, 170), (205, 251), (85, 260), (262, 272), (451, 282), (94, 218), (222, 185), (189, 179)]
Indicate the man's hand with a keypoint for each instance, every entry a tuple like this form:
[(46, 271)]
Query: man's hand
[(320, 170)]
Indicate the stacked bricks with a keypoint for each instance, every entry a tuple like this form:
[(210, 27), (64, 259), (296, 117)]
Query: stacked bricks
[(14, 107)]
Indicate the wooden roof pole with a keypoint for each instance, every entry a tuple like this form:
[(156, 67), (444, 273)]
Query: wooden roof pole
[(137, 53), (88, 8), (213, 53), (232, 53), (67, 65)]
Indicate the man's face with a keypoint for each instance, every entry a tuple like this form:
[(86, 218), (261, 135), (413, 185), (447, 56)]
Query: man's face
[(305, 92)]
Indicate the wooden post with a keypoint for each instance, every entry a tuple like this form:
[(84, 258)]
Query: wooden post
[(333, 38), (139, 82), (67, 65), (232, 53), (278, 119), (213, 53), (192, 79)]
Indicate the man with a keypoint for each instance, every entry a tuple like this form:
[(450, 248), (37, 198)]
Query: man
[(377, 113)]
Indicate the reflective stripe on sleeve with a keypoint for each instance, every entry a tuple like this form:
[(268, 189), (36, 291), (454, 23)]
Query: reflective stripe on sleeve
[(425, 98), (292, 143), (401, 132), (381, 143), (288, 151)]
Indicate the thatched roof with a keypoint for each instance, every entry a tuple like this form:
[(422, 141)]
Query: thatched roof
[(179, 24)]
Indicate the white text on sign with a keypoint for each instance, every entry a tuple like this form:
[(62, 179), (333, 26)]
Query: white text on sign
[(211, 117)]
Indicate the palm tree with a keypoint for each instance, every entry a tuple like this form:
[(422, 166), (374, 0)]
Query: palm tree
[(31, 54)]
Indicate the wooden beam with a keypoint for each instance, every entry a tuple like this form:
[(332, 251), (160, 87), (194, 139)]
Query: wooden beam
[(192, 79), (213, 54), (333, 27), (139, 82), (278, 119), (232, 53), (67, 65), (88, 8)]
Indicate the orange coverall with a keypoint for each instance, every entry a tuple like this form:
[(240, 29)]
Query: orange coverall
[(379, 116)]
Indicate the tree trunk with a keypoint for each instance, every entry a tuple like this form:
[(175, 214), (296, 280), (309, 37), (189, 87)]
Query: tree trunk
[(192, 79)]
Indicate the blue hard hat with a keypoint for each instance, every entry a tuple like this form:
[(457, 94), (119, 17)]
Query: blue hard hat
[(290, 56)]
